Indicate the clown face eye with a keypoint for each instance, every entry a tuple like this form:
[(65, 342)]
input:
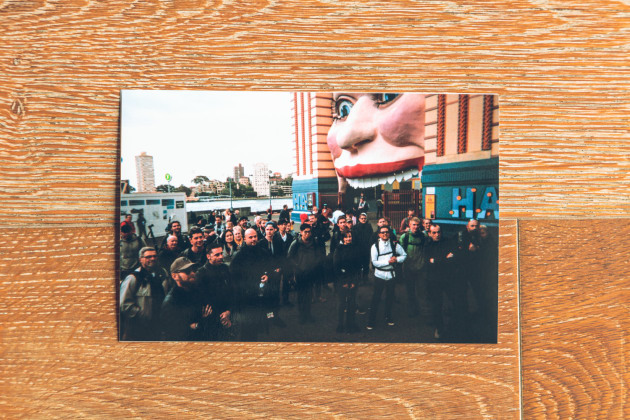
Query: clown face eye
[(385, 98), (342, 108)]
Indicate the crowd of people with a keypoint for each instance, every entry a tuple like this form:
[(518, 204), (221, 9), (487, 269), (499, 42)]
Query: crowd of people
[(228, 280)]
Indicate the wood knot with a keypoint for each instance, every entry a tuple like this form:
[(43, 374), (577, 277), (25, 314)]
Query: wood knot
[(18, 108), (17, 61)]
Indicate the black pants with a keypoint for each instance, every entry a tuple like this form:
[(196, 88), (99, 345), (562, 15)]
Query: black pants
[(251, 322), (455, 291), (304, 285), (347, 305), (286, 288), (379, 285), (412, 278), (365, 265)]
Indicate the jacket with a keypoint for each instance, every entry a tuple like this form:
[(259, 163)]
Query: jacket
[(346, 264), (306, 258), (182, 320), (141, 297), (381, 252), (414, 247), (129, 250), (215, 283), (247, 267)]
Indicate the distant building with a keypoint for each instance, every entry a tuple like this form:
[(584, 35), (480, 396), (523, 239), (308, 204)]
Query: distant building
[(239, 172), (244, 181), (145, 173), (261, 179)]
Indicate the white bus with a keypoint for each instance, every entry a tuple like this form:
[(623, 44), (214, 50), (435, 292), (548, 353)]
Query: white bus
[(159, 210)]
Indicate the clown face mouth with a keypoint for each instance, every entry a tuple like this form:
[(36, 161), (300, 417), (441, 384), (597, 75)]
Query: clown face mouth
[(365, 176), (373, 181)]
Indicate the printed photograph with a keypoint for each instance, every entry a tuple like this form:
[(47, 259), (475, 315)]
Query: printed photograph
[(308, 217)]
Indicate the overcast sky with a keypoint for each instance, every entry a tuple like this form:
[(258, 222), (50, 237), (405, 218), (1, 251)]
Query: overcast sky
[(192, 133)]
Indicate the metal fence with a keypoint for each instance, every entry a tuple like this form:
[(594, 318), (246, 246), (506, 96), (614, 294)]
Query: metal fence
[(396, 204)]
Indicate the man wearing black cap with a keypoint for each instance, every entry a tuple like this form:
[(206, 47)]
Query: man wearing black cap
[(307, 261), (250, 269), (243, 222), (185, 315)]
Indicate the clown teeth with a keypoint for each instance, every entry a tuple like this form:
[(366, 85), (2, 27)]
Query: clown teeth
[(369, 182)]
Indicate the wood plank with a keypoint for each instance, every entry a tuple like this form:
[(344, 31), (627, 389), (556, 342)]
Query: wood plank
[(61, 357), (575, 294), (560, 70)]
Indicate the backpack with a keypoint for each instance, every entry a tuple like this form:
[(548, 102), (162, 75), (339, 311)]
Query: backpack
[(396, 270)]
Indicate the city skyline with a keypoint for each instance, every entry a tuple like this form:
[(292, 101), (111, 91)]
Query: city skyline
[(192, 133), (250, 176)]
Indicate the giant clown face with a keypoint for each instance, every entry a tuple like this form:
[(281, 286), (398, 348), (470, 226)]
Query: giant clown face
[(376, 137)]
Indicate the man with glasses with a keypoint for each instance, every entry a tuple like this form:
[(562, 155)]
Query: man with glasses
[(385, 256), (141, 296)]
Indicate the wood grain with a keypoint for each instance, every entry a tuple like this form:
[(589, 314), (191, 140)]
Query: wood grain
[(575, 301), (562, 75), (61, 357)]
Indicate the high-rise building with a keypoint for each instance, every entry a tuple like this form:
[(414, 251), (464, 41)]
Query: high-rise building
[(145, 173), (261, 179), (239, 172)]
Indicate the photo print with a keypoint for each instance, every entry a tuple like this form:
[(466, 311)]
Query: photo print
[(309, 217)]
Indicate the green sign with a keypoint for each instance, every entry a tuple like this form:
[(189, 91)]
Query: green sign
[(168, 177)]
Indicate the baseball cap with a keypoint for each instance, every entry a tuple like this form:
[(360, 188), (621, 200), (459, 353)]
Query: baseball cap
[(181, 264)]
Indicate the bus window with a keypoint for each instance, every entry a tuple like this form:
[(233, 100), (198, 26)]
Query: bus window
[(136, 202), (123, 203), (153, 202), (168, 202)]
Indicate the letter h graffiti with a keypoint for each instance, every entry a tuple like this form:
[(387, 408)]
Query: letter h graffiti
[(463, 204)]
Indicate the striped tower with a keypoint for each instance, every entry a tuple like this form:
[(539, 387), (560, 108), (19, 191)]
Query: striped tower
[(315, 180)]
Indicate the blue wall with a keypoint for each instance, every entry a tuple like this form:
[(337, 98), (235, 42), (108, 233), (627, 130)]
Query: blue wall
[(303, 190), (461, 189)]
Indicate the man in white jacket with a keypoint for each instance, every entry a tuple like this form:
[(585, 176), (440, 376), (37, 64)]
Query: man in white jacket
[(385, 255)]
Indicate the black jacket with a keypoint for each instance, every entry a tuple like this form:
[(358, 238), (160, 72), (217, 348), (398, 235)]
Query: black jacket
[(306, 259), (347, 264), (441, 266), (216, 285), (249, 264), (362, 235), (198, 258), (181, 309)]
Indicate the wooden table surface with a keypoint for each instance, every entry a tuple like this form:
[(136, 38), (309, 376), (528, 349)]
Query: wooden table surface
[(561, 71)]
